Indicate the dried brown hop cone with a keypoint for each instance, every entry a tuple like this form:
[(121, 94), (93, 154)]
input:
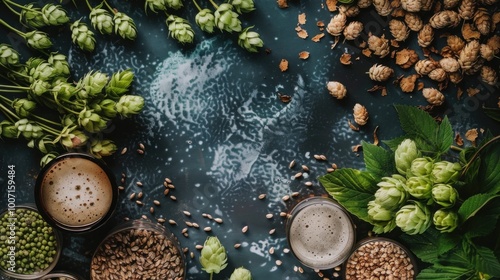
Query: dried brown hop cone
[(469, 55), (467, 9), (364, 4), (336, 24), (474, 69), (378, 45), (433, 96), (360, 114), (352, 30), (482, 21), (455, 77), (425, 36), (486, 52), (450, 4), (449, 64), (383, 7), (406, 58), (399, 30), (414, 21), (380, 73), (488, 75), (438, 75), (446, 18), (336, 89), (411, 5), (425, 66), (456, 43), (349, 10)]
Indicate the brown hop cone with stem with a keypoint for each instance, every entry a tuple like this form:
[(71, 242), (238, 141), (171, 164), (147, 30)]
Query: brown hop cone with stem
[(363, 4), (482, 21), (336, 24), (489, 76), (449, 64), (425, 36), (456, 43), (380, 73), (383, 7), (425, 66), (446, 18), (406, 58), (450, 4), (438, 75), (469, 55), (433, 96), (466, 9), (399, 30), (360, 114), (352, 30), (336, 89), (427, 5), (378, 45), (486, 52), (455, 77), (411, 5), (414, 21), (349, 10)]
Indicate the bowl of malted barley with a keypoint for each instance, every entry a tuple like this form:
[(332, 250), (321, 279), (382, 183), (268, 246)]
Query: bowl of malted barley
[(138, 249), (380, 258)]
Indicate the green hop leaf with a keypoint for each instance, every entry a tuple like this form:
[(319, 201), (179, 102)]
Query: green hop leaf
[(213, 255), (205, 19), (82, 36), (414, 218), (445, 220), (125, 26), (250, 40)]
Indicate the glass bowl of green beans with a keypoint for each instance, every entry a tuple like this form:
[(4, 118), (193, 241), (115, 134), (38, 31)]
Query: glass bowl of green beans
[(29, 247)]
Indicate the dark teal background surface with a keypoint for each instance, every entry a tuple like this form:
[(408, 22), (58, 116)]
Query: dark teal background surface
[(214, 124)]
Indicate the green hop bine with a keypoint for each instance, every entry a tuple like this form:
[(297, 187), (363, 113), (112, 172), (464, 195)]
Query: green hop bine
[(392, 192), (243, 6), (32, 16), (446, 172), (444, 195), (404, 155), (129, 105), (102, 148), (445, 220), (119, 84), (125, 26), (180, 29), (205, 19), (54, 15), (213, 255), (241, 273), (250, 40), (102, 20), (9, 57), (226, 19), (173, 4), (414, 218), (82, 36), (420, 187)]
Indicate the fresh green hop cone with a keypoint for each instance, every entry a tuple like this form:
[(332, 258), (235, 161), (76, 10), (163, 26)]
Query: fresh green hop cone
[(29, 129), (69, 120), (241, 273), (404, 155), (82, 36), (119, 83), (23, 107), (392, 192), (445, 220), (45, 144), (54, 15), (102, 148), (414, 218), (226, 19), (64, 91), (173, 4), (420, 187), (60, 64), (9, 57), (421, 166), (250, 40), (91, 121), (39, 87), (155, 5), (446, 172), (38, 40), (243, 6), (213, 255), (73, 138), (125, 26), (444, 195), (106, 108), (378, 213), (180, 29), (44, 72), (8, 130), (32, 16), (48, 158), (102, 20), (129, 105), (205, 19), (92, 84)]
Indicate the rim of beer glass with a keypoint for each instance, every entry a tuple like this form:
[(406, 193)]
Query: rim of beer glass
[(319, 200), (75, 229)]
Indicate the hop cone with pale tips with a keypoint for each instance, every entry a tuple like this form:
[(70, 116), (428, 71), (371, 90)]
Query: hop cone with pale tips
[(32, 16), (226, 19), (250, 40), (243, 6), (174, 4), (102, 20), (125, 26), (38, 40), (205, 19), (180, 29), (54, 15), (213, 255), (8, 56), (82, 36), (155, 5)]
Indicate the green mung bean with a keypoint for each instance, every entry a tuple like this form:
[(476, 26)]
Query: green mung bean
[(27, 244)]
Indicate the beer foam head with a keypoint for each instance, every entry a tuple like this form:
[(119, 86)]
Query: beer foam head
[(321, 235), (76, 192)]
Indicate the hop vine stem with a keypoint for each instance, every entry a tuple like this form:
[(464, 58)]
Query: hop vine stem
[(476, 154)]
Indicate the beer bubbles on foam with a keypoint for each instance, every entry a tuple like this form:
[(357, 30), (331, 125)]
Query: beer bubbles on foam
[(321, 235), (76, 192)]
